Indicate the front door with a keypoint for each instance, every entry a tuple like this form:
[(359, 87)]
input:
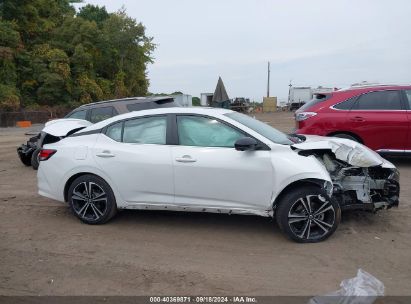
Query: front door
[(208, 171)]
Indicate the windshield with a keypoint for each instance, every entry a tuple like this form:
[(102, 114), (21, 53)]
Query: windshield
[(261, 128), (317, 99)]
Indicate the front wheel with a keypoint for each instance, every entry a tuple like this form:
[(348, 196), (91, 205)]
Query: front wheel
[(91, 199), (308, 215)]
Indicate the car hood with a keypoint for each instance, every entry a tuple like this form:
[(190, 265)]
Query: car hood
[(349, 151), (60, 127)]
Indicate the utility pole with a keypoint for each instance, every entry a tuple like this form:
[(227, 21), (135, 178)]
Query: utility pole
[(289, 92), (268, 80)]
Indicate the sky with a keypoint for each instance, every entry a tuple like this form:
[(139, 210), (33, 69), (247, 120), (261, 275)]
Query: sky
[(329, 43)]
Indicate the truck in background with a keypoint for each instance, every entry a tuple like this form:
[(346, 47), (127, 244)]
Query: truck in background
[(298, 96)]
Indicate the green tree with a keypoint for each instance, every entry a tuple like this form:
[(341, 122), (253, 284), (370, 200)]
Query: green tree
[(128, 50), (196, 101), (51, 55), (93, 13), (10, 44), (52, 74)]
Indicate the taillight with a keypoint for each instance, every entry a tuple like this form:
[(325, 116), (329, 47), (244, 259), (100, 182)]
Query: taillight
[(45, 154), (304, 115)]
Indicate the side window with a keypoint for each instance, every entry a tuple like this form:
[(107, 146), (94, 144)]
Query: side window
[(146, 130), (99, 114), (114, 131), (408, 93), (79, 114), (345, 105), (205, 132), (381, 100)]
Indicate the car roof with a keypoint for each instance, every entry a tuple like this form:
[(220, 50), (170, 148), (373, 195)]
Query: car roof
[(180, 110), (375, 87), (127, 100)]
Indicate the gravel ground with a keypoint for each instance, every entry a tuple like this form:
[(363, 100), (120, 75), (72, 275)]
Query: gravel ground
[(45, 250)]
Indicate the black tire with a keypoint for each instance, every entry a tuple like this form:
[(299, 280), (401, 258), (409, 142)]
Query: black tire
[(35, 159), (92, 200), (346, 136), (307, 223)]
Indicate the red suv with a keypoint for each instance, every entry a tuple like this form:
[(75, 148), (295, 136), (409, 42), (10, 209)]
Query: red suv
[(377, 116)]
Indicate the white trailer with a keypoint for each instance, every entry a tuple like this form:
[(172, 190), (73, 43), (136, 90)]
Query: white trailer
[(206, 99), (300, 94)]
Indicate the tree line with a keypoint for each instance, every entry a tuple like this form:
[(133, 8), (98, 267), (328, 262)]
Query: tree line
[(52, 55)]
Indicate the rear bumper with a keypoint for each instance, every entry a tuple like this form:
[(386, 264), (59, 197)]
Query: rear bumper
[(48, 188)]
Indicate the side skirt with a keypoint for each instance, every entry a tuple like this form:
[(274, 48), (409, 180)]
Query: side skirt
[(185, 208)]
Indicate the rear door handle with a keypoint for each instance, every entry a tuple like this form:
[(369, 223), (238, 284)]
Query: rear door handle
[(358, 118), (105, 154), (186, 159)]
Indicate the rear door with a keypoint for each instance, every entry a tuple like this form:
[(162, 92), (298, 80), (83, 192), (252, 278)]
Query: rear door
[(134, 154), (408, 107), (380, 119)]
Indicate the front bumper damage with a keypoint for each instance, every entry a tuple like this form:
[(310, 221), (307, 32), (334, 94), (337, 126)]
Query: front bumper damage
[(361, 178), (25, 151), (369, 189), (53, 131)]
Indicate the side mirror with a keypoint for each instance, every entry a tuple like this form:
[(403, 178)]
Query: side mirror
[(246, 144)]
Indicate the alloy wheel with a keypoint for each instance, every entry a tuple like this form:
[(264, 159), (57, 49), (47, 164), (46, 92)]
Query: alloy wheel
[(89, 201), (311, 217)]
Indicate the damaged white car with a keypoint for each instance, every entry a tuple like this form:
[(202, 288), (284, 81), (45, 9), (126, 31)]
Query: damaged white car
[(52, 132), (214, 160)]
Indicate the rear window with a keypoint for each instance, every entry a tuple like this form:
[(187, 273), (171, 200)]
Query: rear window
[(99, 114), (346, 105), (146, 130), (78, 115), (115, 131), (317, 99), (381, 100)]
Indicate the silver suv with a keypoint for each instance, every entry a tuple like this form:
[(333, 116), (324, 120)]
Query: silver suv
[(93, 112), (98, 111)]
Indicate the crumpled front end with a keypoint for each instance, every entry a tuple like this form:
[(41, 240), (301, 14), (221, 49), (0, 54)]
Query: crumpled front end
[(361, 178), (25, 151), (367, 188)]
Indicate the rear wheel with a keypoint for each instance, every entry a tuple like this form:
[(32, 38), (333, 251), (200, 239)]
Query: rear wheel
[(91, 199), (347, 136), (308, 215)]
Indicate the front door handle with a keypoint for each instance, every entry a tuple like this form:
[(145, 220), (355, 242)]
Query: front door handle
[(105, 154), (186, 159)]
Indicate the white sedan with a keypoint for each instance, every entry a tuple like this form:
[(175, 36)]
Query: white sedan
[(214, 160)]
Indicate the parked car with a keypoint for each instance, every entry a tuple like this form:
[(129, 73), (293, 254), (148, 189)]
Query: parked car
[(214, 160), (376, 116), (92, 112)]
